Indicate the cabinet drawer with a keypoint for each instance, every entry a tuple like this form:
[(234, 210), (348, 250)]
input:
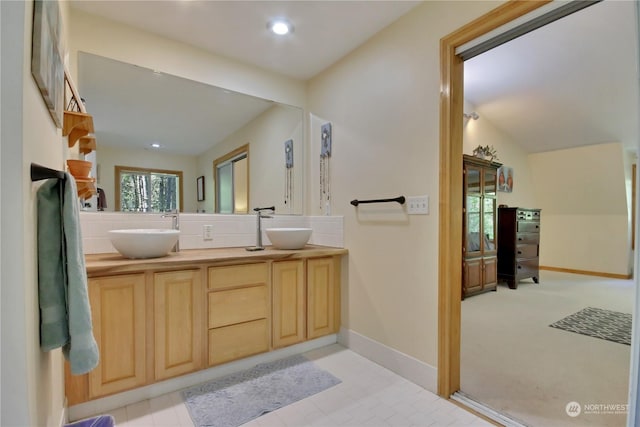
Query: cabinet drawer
[(528, 227), (238, 275), (523, 214), (527, 251), (237, 305), (527, 267), (237, 341), (527, 238)]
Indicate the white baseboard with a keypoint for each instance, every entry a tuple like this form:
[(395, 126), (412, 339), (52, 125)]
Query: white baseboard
[(402, 364), (103, 405), (63, 415)]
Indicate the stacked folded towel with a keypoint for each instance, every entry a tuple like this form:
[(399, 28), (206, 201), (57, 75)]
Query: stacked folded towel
[(65, 313)]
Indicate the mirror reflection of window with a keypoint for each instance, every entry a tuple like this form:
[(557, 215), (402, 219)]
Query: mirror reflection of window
[(147, 190), (231, 175)]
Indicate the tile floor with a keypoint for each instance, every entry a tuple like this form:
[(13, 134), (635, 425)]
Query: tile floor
[(369, 395)]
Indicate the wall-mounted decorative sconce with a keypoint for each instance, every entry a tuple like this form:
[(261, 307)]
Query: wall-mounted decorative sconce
[(473, 116)]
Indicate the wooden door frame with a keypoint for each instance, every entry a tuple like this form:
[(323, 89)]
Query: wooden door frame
[(450, 210)]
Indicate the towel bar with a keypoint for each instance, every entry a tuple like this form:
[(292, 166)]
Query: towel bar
[(399, 199), (39, 173)]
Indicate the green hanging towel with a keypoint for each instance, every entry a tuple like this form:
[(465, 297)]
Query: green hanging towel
[(65, 314)]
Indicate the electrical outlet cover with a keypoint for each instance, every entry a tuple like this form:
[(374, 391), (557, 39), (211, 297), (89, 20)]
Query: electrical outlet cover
[(207, 232)]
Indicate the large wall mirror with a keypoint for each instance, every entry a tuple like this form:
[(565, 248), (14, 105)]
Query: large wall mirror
[(150, 120)]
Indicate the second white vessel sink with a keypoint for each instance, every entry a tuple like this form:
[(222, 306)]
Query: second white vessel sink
[(144, 242), (288, 238)]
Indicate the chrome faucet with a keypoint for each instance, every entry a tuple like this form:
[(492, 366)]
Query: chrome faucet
[(259, 216), (175, 224)]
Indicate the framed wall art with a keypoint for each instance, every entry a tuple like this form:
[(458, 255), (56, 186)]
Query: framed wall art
[(47, 67), (505, 179), (200, 188)]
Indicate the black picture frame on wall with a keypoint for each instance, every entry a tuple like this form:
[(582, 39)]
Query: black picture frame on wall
[(200, 188), (47, 67)]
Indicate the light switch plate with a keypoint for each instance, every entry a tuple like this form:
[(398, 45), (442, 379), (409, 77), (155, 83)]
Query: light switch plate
[(207, 232), (418, 205)]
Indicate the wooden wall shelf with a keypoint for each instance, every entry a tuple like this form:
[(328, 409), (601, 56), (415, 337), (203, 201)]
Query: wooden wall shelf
[(76, 125), (87, 144), (86, 187)]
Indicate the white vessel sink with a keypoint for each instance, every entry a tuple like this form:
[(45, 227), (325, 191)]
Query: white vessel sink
[(288, 238), (144, 242)]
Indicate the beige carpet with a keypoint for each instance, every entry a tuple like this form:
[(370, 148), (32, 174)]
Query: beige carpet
[(512, 361)]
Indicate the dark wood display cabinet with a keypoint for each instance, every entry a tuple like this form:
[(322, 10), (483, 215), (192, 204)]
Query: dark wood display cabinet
[(518, 244), (479, 251)]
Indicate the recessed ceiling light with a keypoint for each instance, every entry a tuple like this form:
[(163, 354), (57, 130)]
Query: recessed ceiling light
[(155, 145), (280, 27)]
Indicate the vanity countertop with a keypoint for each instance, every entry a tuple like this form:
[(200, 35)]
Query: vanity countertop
[(108, 263)]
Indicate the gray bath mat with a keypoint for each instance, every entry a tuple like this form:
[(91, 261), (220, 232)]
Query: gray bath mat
[(599, 323), (238, 398)]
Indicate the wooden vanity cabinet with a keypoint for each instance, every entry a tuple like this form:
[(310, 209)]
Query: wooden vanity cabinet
[(154, 322), (305, 299), (323, 297), (118, 310), (480, 243), (177, 324), (288, 303), (238, 311)]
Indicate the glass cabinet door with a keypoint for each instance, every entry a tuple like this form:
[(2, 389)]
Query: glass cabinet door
[(473, 223), (489, 223), (490, 182), (472, 180)]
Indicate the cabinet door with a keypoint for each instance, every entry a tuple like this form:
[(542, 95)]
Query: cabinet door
[(490, 272), (288, 303), (177, 323), (321, 297), (489, 240), (118, 312), (472, 277)]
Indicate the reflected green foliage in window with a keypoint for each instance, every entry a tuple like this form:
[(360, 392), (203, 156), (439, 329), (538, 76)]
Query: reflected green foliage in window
[(148, 191)]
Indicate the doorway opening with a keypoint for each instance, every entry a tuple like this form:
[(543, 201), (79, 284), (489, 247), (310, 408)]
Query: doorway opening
[(451, 131)]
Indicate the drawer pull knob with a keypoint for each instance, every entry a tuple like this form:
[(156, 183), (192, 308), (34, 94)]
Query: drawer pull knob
[(519, 267), (519, 252)]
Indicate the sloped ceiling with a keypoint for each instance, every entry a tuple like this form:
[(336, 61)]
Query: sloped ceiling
[(571, 83)]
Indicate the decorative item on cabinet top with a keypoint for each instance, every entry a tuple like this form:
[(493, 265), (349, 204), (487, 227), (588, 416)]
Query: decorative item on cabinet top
[(487, 152)]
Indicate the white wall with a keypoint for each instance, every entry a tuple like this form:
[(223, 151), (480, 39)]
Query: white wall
[(265, 135), (108, 157), (483, 132), (383, 102), (32, 381), (585, 219)]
